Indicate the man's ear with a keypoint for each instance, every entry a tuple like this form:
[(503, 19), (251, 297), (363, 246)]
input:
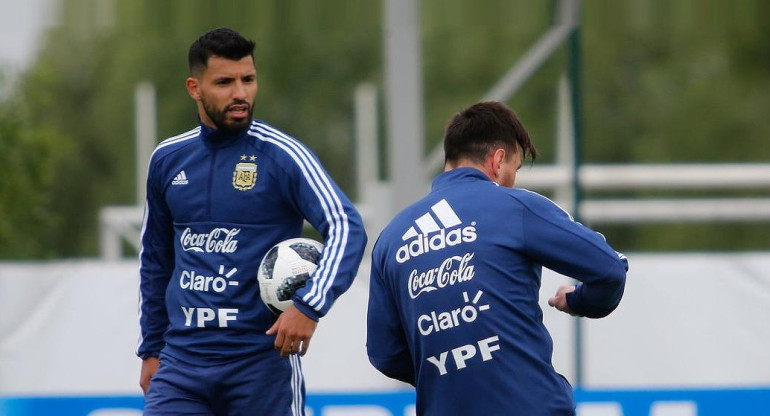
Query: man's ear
[(497, 159), (193, 88)]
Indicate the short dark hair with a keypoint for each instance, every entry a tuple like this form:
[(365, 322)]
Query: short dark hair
[(223, 42), (478, 130)]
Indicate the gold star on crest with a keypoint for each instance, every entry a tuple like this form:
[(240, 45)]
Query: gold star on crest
[(252, 158), (243, 157)]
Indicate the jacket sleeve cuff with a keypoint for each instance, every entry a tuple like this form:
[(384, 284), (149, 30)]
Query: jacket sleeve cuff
[(147, 355), (579, 307), (307, 310)]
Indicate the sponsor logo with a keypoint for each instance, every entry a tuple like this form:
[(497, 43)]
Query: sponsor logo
[(190, 280), (245, 174), (219, 240), (434, 236), (436, 322), (180, 179), (455, 269), (462, 354), (207, 317)]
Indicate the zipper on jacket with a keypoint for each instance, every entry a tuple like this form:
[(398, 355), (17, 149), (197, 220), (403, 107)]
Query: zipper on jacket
[(210, 187)]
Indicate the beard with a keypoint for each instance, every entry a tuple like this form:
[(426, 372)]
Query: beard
[(219, 117)]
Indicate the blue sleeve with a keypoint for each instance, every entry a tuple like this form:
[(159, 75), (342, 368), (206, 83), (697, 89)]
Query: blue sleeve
[(330, 212), (156, 264), (386, 343), (567, 247)]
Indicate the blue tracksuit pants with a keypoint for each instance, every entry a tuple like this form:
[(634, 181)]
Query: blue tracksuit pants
[(260, 385)]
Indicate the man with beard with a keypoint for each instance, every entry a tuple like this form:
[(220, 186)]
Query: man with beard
[(218, 197)]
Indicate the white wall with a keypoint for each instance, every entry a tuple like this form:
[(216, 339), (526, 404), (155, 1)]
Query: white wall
[(687, 320)]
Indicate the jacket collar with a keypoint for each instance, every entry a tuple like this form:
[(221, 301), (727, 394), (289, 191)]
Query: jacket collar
[(458, 175), (215, 138)]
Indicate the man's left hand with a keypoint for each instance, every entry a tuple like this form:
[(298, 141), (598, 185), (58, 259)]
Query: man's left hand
[(293, 331)]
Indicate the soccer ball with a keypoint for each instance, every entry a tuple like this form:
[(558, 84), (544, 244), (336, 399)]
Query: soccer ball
[(285, 268)]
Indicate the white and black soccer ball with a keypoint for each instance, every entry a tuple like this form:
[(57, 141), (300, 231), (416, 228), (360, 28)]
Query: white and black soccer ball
[(286, 267)]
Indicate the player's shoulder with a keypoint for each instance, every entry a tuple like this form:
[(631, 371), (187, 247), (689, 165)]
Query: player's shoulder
[(270, 137), (287, 151), (524, 195), (534, 202), (176, 143)]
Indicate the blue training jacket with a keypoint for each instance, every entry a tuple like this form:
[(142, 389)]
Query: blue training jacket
[(453, 306), (215, 204)]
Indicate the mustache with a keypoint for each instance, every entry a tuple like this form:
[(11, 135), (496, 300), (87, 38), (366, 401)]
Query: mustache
[(238, 102)]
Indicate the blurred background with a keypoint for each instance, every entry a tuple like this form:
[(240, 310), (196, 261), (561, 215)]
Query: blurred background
[(650, 117), (662, 82)]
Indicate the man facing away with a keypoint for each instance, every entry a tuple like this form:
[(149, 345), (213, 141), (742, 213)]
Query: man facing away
[(218, 197), (453, 307)]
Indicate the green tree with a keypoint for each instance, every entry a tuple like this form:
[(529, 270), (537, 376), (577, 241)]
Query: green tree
[(677, 82), (26, 177)]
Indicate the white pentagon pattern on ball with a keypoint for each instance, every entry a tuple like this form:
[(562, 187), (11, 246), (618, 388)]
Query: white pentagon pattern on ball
[(285, 268)]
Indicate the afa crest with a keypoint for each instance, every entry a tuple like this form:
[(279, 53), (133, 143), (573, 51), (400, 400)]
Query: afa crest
[(245, 176)]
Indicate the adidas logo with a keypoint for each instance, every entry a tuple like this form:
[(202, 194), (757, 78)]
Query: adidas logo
[(445, 232), (180, 179)]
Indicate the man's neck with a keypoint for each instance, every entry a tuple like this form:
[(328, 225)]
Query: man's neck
[(464, 163)]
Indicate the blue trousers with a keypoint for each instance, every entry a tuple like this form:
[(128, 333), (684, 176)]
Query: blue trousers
[(261, 385)]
